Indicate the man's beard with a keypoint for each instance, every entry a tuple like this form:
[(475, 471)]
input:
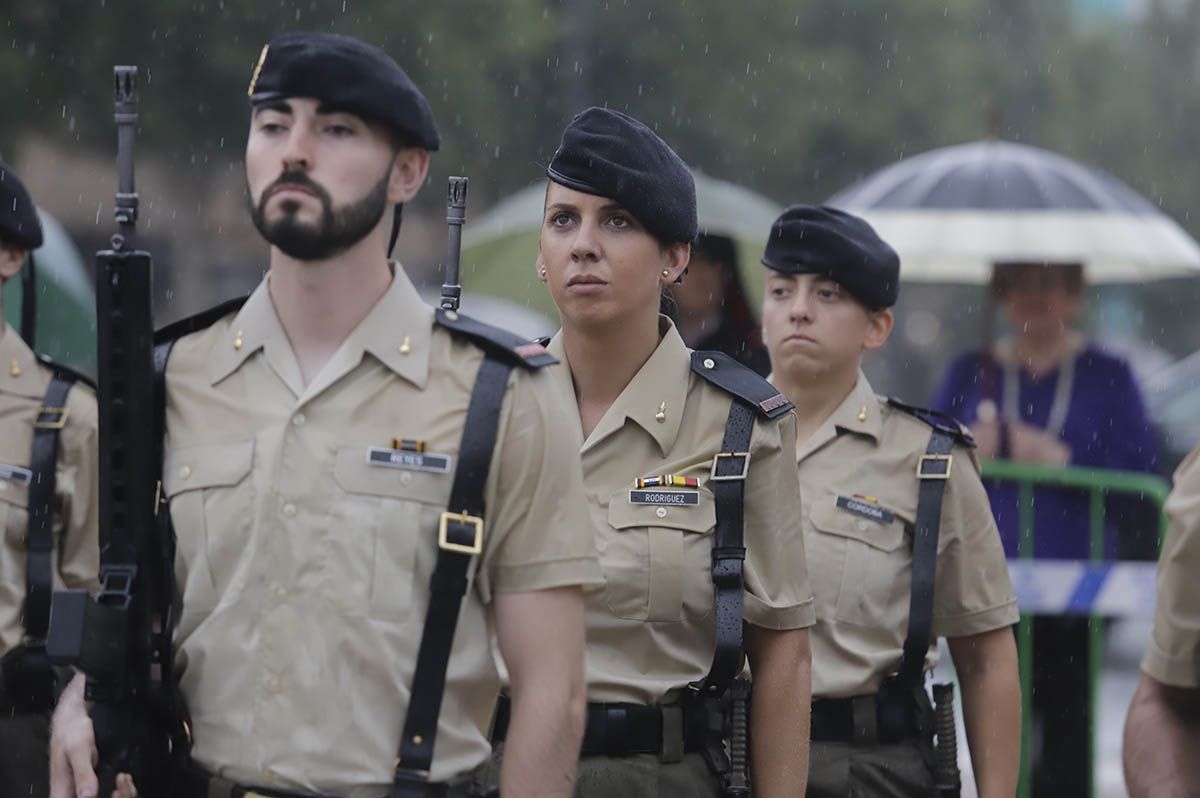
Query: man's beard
[(338, 228)]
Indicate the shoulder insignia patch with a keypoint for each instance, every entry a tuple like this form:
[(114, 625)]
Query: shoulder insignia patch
[(936, 419), (502, 343), (740, 381)]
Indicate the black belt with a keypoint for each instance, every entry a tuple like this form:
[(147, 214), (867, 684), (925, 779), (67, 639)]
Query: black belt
[(625, 729), (197, 782), (865, 719)]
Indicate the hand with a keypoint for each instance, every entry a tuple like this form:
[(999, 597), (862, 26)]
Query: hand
[(73, 753), (1032, 445), (987, 438)]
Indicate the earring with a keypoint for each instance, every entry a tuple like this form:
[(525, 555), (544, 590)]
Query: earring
[(666, 273), (542, 271)]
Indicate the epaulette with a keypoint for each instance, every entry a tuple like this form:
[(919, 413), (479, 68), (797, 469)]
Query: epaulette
[(506, 345), (201, 321), (76, 376), (741, 381), (943, 422)]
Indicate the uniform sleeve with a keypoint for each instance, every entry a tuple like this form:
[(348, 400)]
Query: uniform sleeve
[(1173, 656), (973, 593), (537, 533), (79, 458), (778, 595)]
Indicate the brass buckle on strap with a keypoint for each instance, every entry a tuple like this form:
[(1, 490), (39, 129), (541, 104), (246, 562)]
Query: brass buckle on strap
[(740, 476), (462, 519), (60, 420), (930, 466)]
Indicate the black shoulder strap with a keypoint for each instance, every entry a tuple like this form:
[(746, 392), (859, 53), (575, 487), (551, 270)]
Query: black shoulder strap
[(29, 302), (498, 343), (728, 480), (201, 321), (460, 538), (942, 422), (933, 470), (741, 382), (43, 460)]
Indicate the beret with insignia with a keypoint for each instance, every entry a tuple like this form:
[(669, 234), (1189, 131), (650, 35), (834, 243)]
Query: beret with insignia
[(808, 239), (344, 74), (19, 224), (610, 154)]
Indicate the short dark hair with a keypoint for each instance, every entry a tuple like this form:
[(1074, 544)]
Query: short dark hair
[(1007, 275)]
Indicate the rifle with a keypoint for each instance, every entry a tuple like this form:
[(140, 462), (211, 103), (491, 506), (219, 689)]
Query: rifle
[(456, 214), (114, 639), (946, 778)]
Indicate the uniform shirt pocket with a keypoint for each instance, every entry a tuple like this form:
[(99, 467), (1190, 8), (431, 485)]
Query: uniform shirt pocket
[(384, 516), (212, 509), (657, 559), (877, 556), (14, 513)]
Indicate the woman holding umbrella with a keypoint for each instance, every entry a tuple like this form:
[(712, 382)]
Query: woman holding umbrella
[(1048, 396), (666, 477)]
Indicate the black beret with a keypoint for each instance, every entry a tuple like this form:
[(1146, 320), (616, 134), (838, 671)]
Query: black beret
[(19, 224), (820, 240), (610, 154), (348, 75)]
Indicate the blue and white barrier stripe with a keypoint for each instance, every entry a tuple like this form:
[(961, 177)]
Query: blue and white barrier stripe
[(1114, 588)]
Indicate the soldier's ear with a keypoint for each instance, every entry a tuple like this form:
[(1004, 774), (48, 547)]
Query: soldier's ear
[(879, 327), (409, 169)]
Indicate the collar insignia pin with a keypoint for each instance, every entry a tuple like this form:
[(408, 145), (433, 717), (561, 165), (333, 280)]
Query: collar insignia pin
[(862, 414), (405, 346), (14, 368), (661, 415), (237, 341)]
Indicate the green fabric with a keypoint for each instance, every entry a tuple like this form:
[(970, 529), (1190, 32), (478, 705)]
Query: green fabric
[(896, 770), (644, 776)]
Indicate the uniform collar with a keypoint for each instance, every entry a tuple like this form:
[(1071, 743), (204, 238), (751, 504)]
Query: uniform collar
[(21, 373), (858, 413), (397, 332), (659, 389)]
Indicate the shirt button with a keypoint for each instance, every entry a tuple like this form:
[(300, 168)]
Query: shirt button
[(709, 363), (185, 472), (289, 510), (862, 525), (298, 420), (280, 592), (405, 478), (661, 512), (274, 686)]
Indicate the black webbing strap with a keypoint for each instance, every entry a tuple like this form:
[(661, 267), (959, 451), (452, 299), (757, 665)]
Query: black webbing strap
[(43, 459), (728, 481), (933, 470), (29, 302), (460, 538)]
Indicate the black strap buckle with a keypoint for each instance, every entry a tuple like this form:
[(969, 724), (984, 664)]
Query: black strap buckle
[(934, 466), (718, 473), (57, 417), (460, 532)]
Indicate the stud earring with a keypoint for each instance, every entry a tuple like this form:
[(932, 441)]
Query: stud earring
[(542, 272), (666, 273)]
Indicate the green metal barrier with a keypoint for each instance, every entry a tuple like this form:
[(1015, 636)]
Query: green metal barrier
[(1098, 482)]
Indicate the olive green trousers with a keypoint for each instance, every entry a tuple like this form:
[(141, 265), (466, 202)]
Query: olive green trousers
[(24, 761), (891, 770)]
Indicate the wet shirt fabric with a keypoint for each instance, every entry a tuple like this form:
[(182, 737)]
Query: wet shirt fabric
[(304, 562), (1173, 656), (1106, 426), (858, 475), (23, 383), (650, 630)]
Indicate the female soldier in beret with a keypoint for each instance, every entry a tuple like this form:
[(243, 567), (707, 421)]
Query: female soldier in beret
[(620, 214), (875, 476)]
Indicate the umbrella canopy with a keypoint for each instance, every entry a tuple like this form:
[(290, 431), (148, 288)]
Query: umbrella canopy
[(500, 247), (953, 212)]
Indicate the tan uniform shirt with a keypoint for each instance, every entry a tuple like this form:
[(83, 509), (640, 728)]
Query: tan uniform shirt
[(305, 569), (651, 630), (1174, 654), (858, 473), (23, 383)]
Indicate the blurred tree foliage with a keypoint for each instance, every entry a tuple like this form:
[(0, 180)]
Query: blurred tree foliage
[(795, 99)]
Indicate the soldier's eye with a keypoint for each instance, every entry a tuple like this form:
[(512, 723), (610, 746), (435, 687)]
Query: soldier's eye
[(560, 219)]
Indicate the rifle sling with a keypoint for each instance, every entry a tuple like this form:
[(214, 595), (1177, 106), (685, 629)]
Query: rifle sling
[(728, 550), (43, 460), (463, 525), (933, 471)]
